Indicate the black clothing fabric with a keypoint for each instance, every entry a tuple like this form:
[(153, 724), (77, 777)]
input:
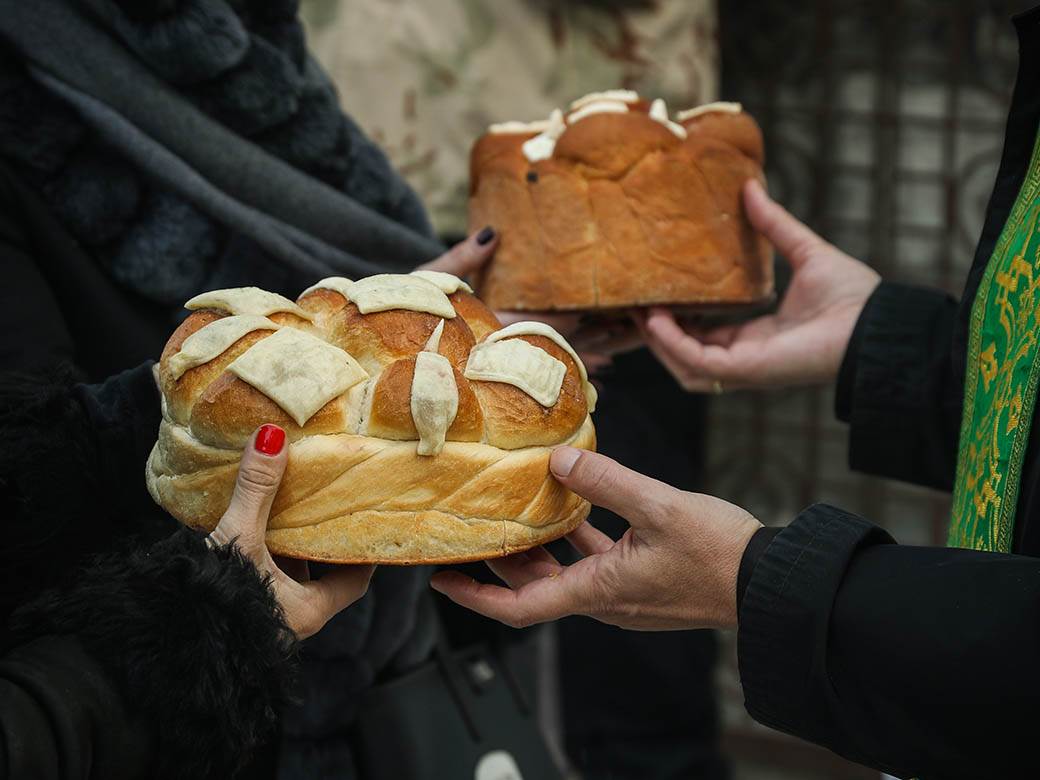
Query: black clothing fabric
[(900, 393), (171, 661), (59, 307), (757, 545), (70, 487), (920, 662)]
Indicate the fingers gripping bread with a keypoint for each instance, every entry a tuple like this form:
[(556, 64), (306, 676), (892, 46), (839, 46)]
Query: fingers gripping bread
[(420, 430), (615, 204)]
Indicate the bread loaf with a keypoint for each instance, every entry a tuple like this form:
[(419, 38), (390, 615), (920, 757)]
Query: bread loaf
[(615, 204), (419, 429)]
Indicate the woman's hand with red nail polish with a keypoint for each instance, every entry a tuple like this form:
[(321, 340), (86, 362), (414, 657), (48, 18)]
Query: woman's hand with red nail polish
[(307, 604)]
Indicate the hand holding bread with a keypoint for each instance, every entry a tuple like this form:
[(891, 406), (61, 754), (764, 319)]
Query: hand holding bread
[(306, 604), (675, 567), (802, 343)]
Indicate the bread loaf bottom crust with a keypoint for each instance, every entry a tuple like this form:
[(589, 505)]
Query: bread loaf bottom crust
[(410, 538), (357, 499)]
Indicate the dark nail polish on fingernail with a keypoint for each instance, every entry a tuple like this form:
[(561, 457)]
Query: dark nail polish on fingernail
[(485, 235), (269, 439)]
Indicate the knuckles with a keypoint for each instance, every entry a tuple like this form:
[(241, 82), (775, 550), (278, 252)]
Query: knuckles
[(595, 474), (260, 476)]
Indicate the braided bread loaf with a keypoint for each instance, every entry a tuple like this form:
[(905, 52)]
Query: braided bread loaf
[(420, 429), (616, 205)]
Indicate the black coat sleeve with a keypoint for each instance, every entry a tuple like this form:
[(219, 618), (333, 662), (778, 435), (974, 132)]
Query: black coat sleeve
[(62, 717), (172, 661), (72, 481), (918, 661), (898, 389)]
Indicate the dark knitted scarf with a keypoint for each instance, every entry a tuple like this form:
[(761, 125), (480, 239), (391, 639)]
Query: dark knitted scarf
[(243, 64)]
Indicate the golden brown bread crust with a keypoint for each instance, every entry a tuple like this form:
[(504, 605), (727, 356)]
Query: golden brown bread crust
[(358, 499), (738, 130), (624, 213), (514, 419), (355, 489), (391, 414), (480, 318), (380, 338), (229, 410), (181, 394)]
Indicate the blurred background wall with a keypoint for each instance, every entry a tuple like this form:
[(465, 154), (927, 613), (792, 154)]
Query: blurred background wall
[(426, 78), (883, 124)]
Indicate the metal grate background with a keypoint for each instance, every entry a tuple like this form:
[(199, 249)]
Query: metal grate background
[(884, 127)]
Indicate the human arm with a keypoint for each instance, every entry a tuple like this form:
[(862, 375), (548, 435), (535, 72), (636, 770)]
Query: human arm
[(174, 660), (889, 347), (889, 655), (917, 661)]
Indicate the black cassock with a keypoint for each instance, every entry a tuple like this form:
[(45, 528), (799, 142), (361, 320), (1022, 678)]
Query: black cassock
[(917, 661)]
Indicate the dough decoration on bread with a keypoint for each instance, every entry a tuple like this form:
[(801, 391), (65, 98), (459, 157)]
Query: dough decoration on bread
[(659, 113), (618, 202), (597, 107), (449, 283), (535, 328), (541, 146), (384, 292), (433, 343), (298, 371), (719, 107), (517, 363), (435, 401), (514, 127), (245, 300), (206, 343), (614, 95), (412, 440), (338, 284)]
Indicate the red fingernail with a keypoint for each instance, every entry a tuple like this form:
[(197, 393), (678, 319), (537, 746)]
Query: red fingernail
[(269, 439)]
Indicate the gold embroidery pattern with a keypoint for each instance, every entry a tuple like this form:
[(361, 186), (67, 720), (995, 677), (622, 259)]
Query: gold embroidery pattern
[(1001, 380)]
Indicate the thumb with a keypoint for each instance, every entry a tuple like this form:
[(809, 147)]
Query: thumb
[(466, 256), (641, 500), (793, 239), (259, 475)]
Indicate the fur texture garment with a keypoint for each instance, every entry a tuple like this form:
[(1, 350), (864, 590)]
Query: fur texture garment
[(96, 438), (193, 637)]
